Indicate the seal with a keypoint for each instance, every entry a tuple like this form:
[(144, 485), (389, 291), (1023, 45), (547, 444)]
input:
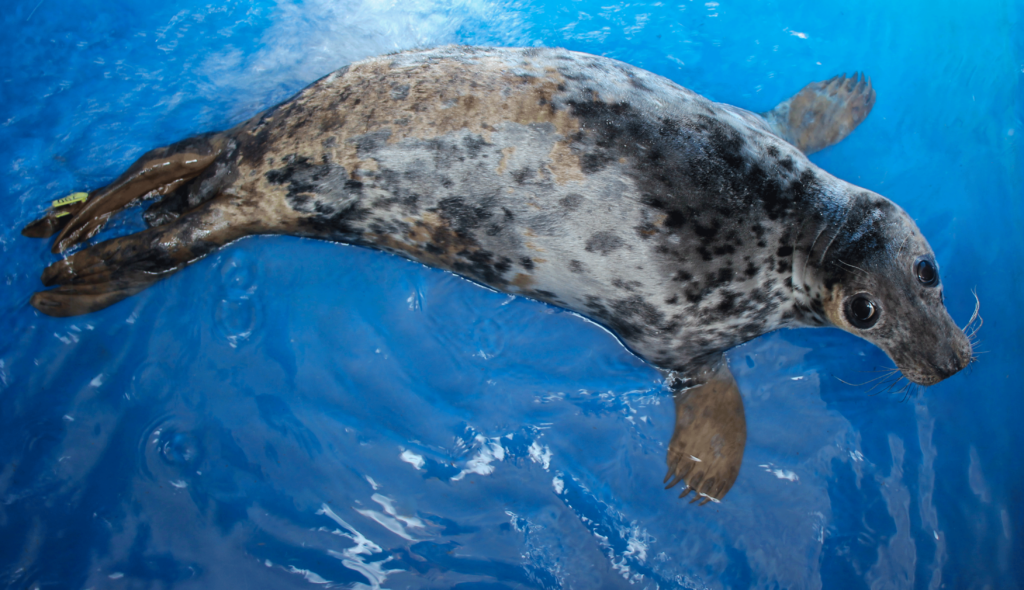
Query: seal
[(685, 226)]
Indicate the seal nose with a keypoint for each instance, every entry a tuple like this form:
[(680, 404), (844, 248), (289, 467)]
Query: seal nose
[(961, 356)]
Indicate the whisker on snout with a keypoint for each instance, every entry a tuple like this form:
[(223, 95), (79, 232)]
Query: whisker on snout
[(887, 373), (891, 381), (910, 390), (974, 324)]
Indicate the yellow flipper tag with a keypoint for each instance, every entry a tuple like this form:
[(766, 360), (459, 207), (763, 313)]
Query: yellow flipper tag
[(72, 198)]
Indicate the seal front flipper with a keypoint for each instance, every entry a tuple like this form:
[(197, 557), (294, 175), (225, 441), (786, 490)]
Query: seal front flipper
[(706, 449), (159, 172), (823, 113)]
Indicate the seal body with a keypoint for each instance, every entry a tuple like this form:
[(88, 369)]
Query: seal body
[(684, 225), (572, 179)]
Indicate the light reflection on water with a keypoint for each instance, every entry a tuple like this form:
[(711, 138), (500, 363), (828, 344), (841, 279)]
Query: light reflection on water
[(290, 413)]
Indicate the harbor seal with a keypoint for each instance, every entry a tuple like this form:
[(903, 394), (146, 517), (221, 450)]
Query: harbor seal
[(685, 226)]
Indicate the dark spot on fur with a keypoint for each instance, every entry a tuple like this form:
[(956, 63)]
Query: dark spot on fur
[(675, 219), (604, 242), (593, 162), (571, 201), (399, 91), (632, 317), (322, 190), (646, 230), (626, 285), (527, 262), (707, 232), (723, 276), (522, 175), (727, 303), (575, 266), (460, 216), (368, 143)]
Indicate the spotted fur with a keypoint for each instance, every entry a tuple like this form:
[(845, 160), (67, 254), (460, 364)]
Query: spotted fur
[(684, 225)]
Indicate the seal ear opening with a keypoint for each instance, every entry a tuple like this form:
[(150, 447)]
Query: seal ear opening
[(707, 445)]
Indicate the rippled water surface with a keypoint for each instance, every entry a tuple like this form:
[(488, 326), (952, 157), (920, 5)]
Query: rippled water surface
[(290, 413)]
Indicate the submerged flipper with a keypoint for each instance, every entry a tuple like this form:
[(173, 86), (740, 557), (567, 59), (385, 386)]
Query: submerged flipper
[(157, 173), (706, 449), (823, 113)]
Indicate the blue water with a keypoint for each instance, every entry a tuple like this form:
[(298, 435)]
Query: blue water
[(291, 413)]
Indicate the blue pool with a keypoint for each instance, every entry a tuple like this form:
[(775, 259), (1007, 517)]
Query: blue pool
[(291, 414)]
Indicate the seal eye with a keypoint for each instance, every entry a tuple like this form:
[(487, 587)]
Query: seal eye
[(926, 272), (862, 312)]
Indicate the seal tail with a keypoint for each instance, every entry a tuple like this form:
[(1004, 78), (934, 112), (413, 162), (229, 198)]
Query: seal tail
[(110, 271), (155, 175)]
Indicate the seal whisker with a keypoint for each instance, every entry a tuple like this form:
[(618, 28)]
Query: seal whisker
[(887, 374), (846, 215), (904, 243), (887, 385), (891, 386), (970, 329), (853, 266), (910, 390), (974, 330), (887, 382)]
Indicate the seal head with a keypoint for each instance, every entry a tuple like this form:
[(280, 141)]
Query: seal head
[(882, 284)]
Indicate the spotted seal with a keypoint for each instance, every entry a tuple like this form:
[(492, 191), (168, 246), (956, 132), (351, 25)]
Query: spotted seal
[(685, 226)]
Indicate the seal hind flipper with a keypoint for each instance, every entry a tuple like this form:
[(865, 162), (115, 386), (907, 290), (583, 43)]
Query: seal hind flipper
[(159, 172), (103, 274), (52, 221), (823, 113), (707, 444)]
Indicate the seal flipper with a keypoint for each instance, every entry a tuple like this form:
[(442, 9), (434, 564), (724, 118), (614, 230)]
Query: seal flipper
[(52, 222), (823, 113), (159, 172), (102, 275), (706, 449)]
